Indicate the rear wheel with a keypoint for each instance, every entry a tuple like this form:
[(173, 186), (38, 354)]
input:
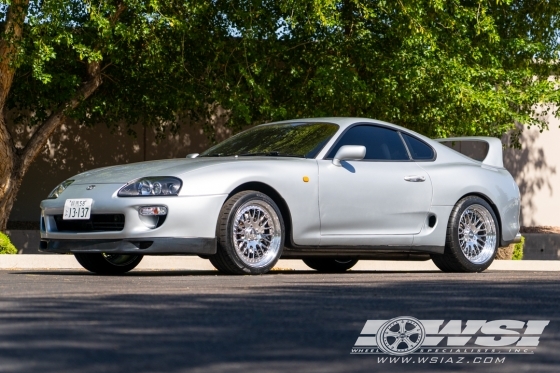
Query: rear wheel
[(330, 265), (108, 264), (472, 237), (250, 235)]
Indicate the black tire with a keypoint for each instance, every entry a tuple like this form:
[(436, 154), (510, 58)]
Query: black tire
[(330, 265), (216, 261), (234, 260), (108, 264), (454, 259)]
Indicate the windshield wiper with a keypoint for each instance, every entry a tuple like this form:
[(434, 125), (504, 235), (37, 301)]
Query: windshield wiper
[(269, 154)]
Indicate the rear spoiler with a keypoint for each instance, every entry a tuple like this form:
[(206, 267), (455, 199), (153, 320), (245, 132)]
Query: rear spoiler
[(494, 156)]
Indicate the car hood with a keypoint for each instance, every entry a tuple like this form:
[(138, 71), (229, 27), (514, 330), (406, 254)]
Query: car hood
[(122, 174)]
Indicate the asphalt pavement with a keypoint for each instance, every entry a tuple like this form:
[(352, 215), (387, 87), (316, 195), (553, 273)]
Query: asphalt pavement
[(285, 321)]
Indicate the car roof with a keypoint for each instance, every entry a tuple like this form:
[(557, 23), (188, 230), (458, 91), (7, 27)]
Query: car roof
[(345, 122)]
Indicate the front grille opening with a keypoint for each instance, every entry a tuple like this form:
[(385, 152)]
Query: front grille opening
[(96, 223), (142, 245)]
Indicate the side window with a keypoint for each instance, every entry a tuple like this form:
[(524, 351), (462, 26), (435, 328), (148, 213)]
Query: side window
[(382, 144), (419, 150)]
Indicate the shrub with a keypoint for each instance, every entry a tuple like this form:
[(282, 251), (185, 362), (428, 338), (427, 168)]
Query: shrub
[(518, 250), (6, 246)]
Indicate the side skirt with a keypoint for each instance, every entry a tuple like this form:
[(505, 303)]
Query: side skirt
[(363, 252)]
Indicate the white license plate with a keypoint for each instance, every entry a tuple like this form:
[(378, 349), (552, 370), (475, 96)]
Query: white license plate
[(77, 209)]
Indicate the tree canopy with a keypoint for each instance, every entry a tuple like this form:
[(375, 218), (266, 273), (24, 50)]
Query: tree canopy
[(457, 67)]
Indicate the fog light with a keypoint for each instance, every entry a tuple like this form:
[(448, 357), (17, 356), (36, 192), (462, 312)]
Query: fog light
[(153, 210)]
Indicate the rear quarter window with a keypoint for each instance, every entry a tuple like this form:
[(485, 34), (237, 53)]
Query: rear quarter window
[(419, 150)]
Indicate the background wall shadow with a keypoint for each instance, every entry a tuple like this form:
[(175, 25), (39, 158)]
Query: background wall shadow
[(534, 168), (73, 149)]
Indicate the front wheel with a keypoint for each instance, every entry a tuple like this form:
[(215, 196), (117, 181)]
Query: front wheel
[(330, 265), (108, 264), (472, 237), (250, 235)]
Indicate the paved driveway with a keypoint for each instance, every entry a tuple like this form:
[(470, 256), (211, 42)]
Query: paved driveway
[(198, 321)]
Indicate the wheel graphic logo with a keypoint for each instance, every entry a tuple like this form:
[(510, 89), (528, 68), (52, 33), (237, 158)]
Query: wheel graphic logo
[(401, 336)]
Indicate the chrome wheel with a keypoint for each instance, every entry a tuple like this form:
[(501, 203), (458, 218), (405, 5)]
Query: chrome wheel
[(120, 259), (477, 234), (257, 233)]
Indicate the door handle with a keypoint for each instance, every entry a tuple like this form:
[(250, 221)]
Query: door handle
[(415, 179)]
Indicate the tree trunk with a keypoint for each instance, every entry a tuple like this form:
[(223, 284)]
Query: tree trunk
[(7, 158), (14, 164), (7, 201), (12, 34)]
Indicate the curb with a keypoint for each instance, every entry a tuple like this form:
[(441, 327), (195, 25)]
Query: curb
[(186, 263)]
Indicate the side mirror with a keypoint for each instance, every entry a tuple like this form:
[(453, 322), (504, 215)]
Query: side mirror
[(349, 152), (192, 155)]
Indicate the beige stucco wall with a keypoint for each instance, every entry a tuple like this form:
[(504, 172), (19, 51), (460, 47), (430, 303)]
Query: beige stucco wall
[(73, 149), (536, 168)]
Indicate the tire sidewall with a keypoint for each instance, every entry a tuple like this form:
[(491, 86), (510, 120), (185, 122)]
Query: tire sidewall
[(227, 241), (456, 247)]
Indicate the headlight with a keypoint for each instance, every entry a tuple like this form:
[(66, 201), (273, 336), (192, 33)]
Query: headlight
[(59, 189), (152, 186)]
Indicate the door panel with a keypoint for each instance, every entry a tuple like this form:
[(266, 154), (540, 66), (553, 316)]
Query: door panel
[(373, 198)]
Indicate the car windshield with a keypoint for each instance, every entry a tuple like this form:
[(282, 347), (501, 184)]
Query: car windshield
[(304, 140)]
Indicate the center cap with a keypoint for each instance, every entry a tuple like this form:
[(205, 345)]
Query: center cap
[(251, 234)]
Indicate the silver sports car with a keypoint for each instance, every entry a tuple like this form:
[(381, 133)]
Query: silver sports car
[(329, 191)]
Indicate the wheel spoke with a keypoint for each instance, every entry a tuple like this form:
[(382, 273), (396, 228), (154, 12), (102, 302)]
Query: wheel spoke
[(254, 233), (416, 330), (396, 343), (476, 225), (407, 341)]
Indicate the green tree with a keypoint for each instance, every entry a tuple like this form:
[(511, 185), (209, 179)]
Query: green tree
[(96, 61), (439, 67), (457, 67)]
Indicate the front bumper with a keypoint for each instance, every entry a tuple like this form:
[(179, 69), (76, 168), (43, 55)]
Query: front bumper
[(143, 246), (187, 216)]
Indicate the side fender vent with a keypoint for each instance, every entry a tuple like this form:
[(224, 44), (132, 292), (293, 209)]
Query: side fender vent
[(432, 220)]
